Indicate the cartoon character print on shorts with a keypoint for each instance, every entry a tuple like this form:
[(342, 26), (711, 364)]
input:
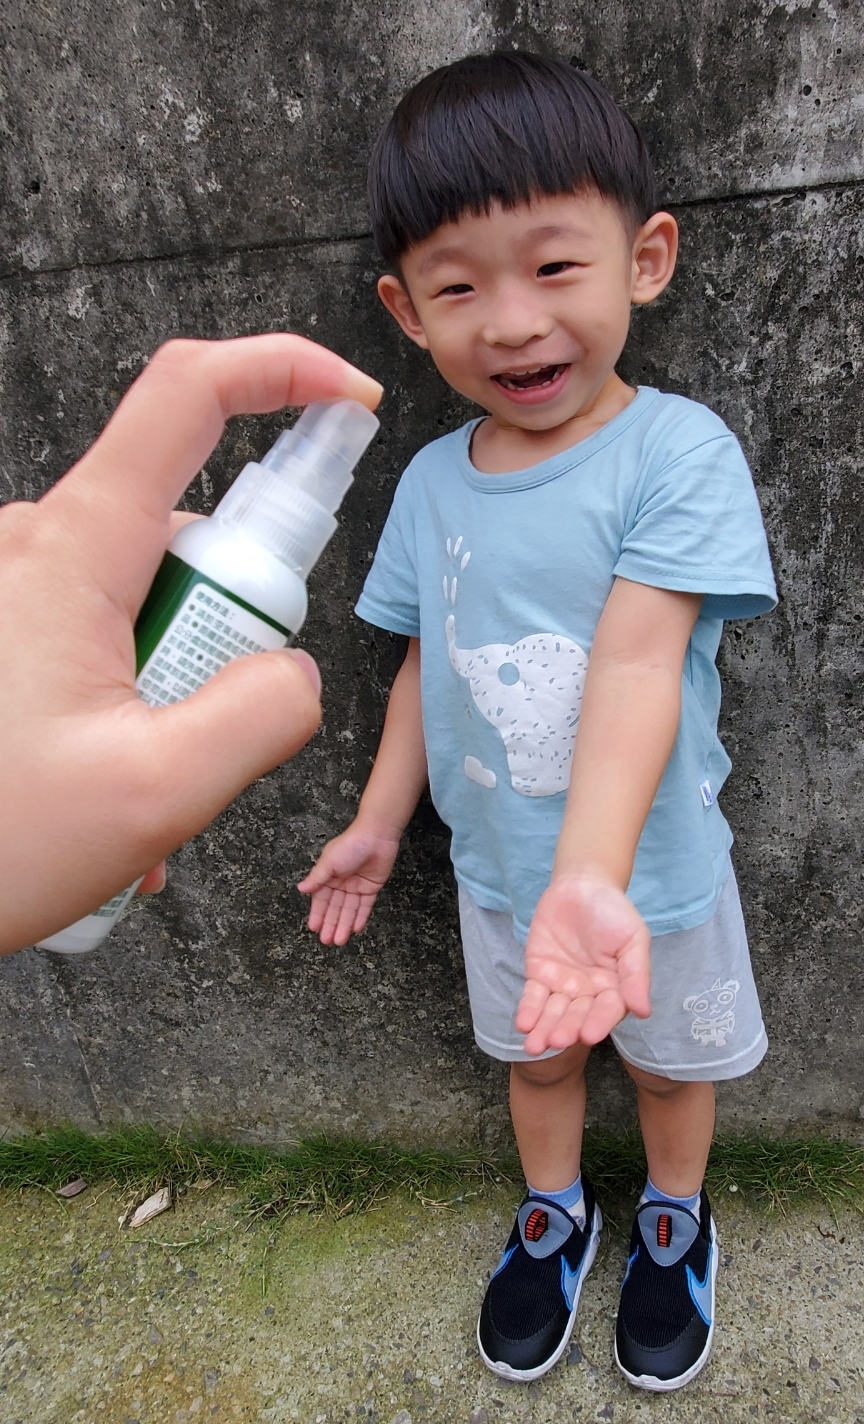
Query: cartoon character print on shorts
[(714, 1012)]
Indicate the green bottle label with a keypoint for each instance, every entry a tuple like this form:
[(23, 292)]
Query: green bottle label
[(189, 628)]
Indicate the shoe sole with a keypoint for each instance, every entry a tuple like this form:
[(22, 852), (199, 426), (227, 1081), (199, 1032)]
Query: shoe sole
[(500, 1367), (660, 1386)]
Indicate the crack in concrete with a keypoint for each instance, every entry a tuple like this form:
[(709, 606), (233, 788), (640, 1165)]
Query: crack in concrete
[(190, 254), (801, 190), (292, 244), (85, 1071)]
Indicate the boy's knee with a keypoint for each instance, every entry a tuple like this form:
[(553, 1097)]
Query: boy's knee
[(652, 1083), (547, 1072)]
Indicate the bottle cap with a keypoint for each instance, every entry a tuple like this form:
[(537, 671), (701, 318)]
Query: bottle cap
[(287, 502)]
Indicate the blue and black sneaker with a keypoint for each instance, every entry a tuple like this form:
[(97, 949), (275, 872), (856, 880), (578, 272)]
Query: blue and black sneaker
[(530, 1305), (666, 1313)]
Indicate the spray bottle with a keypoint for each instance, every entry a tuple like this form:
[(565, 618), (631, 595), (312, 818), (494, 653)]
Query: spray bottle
[(235, 583)]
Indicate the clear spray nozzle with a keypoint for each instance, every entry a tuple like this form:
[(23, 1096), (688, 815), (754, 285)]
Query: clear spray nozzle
[(289, 500), (320, 452)]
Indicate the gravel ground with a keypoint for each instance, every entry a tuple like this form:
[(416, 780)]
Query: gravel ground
[(202, 1316)]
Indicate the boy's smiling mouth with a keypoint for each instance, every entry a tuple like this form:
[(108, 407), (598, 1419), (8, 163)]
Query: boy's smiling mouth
[(536, 383)]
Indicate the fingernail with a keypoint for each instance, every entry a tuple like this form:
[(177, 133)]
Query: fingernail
[(158, 884), (366, 390), (309, 666)]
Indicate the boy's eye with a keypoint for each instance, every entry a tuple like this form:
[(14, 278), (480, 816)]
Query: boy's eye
[(553, 269), (457, 289)]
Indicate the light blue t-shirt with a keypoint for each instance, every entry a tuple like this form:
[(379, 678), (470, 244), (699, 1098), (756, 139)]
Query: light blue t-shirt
[(504, 578)]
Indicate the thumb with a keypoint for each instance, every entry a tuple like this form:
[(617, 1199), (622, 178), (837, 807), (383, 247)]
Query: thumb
[(201, 752), (634, 974), (319, 875), (340, 857)]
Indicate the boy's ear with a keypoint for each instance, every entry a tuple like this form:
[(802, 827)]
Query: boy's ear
[(654, 252), (399, 304)]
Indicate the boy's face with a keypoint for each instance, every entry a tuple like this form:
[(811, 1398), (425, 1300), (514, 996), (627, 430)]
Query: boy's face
[(526, 310)]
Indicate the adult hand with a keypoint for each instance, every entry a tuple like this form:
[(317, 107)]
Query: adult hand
[(96, 788), (587, 964)]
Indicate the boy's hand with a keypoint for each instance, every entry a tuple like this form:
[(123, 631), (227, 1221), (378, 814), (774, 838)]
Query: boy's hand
[(587, 964), (345, 881), (352, 868)]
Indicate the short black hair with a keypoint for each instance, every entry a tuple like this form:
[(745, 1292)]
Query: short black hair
[(503, 127)]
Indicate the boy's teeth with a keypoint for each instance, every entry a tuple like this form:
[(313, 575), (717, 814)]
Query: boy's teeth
[(529, 380)]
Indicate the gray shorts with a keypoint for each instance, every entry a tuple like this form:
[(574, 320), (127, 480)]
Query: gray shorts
[(705, 1024)]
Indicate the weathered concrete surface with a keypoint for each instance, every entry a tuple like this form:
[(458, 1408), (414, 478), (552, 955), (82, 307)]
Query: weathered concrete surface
[(200, 124), (212, 1006), (373, 1318), (777, 349)]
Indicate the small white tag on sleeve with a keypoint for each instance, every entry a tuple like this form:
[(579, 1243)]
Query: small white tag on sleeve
[(706, 793)]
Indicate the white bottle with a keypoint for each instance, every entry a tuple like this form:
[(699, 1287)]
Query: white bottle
[(235, 583)]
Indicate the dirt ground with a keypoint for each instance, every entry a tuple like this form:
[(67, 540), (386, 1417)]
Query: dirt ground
[(203, 1315)]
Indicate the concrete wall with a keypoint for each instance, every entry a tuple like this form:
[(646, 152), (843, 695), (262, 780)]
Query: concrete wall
[(197, 167)]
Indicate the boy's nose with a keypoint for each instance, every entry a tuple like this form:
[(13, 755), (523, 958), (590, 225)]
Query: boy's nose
[(513, 321)]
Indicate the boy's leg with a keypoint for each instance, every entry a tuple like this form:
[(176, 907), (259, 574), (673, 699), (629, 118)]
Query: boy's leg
[(666, 1313), (705, 1026), (547, 1105), (531, 1301), (665, 1321), (677, 1121), (530, 1305)]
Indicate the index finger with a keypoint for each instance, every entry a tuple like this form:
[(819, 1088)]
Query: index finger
[(531, 1005), (174, 414)]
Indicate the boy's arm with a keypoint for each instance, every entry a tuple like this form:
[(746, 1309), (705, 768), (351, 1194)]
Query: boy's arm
[(587, 955), (352, 868)]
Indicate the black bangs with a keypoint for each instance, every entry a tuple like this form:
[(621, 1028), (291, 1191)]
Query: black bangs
[(505, 128)]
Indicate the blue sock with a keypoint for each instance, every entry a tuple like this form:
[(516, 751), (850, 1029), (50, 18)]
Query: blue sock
[(654, 1194), (571, 1199)]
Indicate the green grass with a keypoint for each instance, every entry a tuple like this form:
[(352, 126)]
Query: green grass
[(339, 1176), (776, 1172), (319, 1174)]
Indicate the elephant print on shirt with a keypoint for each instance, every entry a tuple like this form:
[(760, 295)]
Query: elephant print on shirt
[(531, 692)]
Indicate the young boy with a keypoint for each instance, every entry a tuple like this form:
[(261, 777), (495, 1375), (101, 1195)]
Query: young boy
[(563, 563)]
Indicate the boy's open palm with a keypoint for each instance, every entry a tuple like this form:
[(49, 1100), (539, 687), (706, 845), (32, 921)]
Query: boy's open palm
[(587, 964), (345, 882)]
